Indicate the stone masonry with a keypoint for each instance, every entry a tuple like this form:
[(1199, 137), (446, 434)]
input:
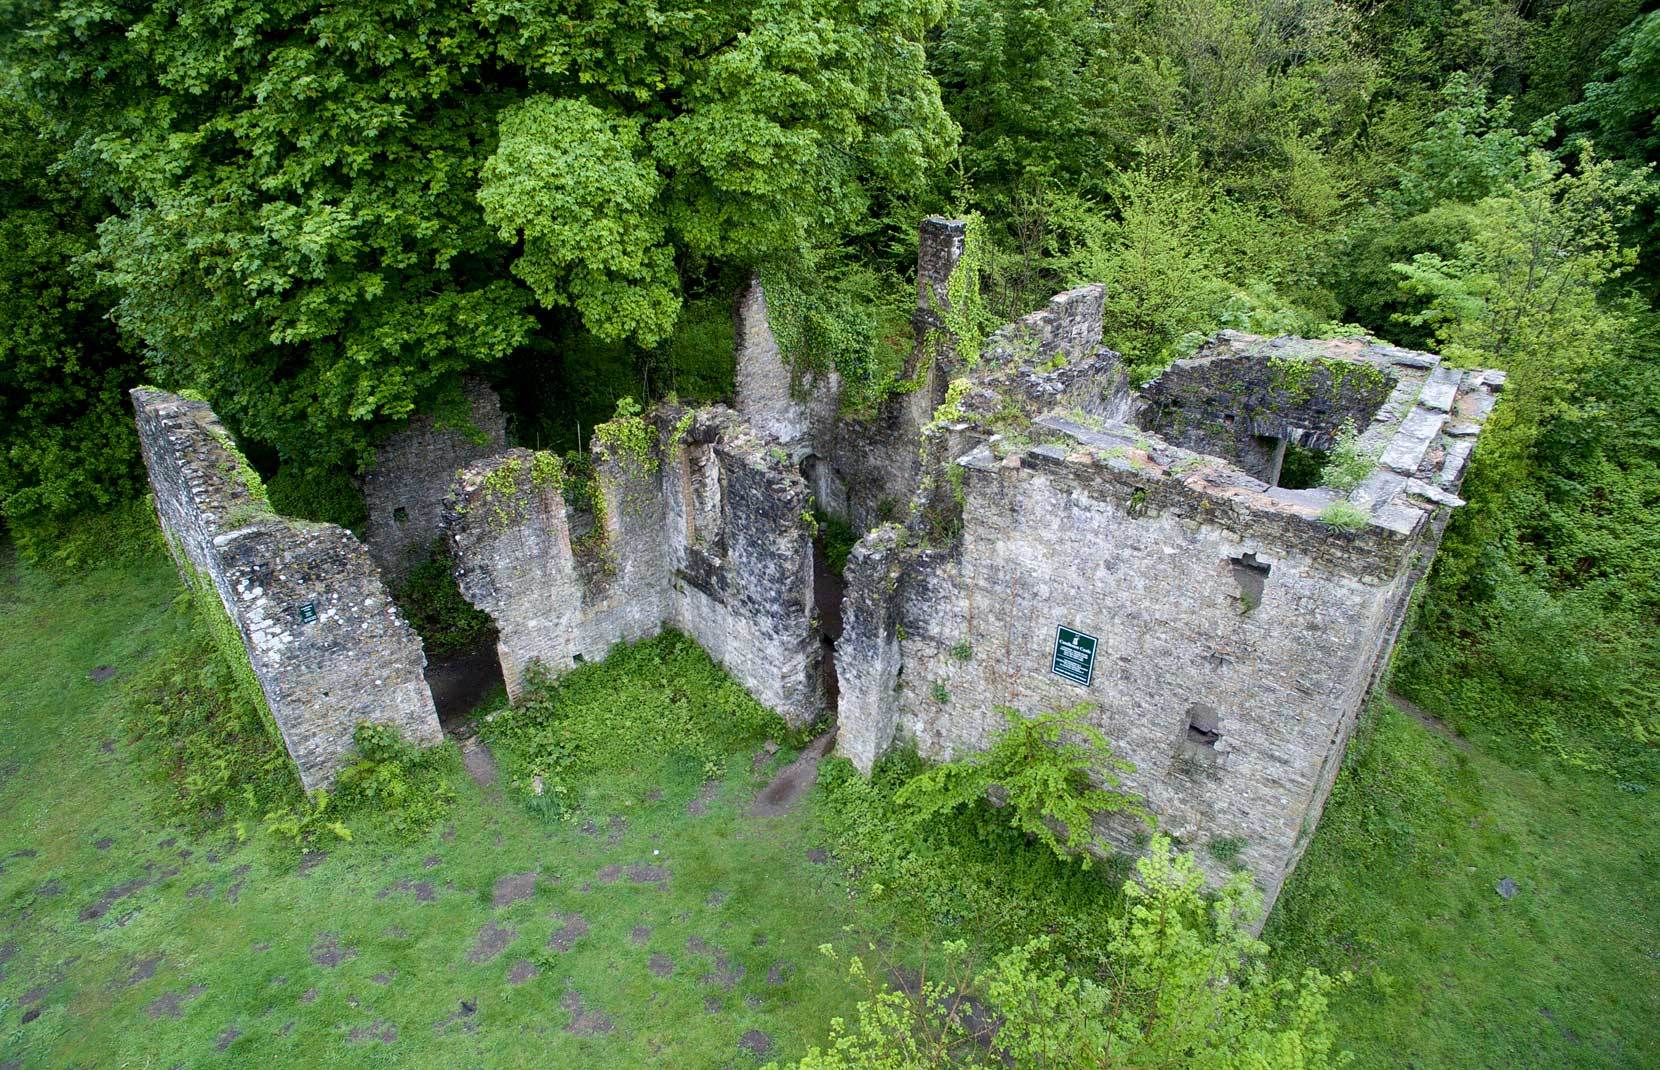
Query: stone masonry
[(1237, 634), (1037, 536), (324, 640), (414, 467), (709, 532)]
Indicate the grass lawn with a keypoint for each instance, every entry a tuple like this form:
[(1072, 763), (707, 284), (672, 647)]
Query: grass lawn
[(1399, 886), (669, 930)]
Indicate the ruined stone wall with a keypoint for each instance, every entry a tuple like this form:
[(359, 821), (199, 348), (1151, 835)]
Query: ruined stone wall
[(561, 583), (1234, 404), (323, 639), (740, 547), (1068, 326), (710, 534), (1154, 575), (1238, 634), (414, 467)]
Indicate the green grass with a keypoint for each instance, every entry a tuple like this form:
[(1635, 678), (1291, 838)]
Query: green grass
[(742, 886), (1399, 886)]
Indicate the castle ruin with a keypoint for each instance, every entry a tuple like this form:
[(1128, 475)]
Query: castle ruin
[(1036, 534)]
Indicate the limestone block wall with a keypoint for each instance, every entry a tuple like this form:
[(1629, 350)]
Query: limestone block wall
[(740, 549), (1229, 399), (560, 590), (1154, 579), (1237, 635), (710, 534), (414, 467), (324, 640), (1069, 325)]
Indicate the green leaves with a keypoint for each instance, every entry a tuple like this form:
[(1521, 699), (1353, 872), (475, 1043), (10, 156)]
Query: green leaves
[(1051, 775), (574, 183)]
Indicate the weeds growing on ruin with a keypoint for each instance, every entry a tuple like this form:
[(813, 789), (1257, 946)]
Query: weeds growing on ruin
[(603, 717)]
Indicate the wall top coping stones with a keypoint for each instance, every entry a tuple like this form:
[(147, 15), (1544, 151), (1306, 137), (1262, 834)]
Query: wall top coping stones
[(1422, 434)]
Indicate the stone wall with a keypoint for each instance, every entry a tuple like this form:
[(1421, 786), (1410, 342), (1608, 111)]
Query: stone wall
[(861, 468), (1237, 404), (710, 534), (326, 644), (1238, 635), (414, 467)]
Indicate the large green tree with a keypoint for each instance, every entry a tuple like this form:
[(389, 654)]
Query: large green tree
[(66, 442), (328, 211)]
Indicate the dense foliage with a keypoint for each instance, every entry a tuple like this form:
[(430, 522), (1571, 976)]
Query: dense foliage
[(324, 213), (608, 717), (1189, 989)]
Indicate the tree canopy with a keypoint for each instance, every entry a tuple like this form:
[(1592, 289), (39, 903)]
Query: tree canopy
[(325, 212)]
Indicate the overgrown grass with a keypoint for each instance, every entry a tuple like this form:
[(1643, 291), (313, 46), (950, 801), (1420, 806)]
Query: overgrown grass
[(114, 917), (651, 706), (1400, 887)]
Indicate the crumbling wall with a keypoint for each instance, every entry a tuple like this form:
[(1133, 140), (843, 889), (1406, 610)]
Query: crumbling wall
[(1236, 403), (708, 531), (1236, 633), (325, 643), (739, 535), (414, 467), (861, 468), (562, 582), (1153, 575)]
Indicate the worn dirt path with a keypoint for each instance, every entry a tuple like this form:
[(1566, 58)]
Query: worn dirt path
[(793, 781)]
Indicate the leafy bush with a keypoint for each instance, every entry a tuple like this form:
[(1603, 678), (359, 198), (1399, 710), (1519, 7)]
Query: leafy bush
[(123, 534), (202, 737), (1349, 463), (838, 538), (402, 786), (1187, 988), (959, 874), (1050, 776), (660, 699), (328, 496)]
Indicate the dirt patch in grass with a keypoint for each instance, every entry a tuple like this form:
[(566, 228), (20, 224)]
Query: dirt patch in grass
[(661, 965), (586, 1021), (756, 1043), (171, 1004), (512, 888), (522, 971), (326, 951), (793, 781), (699, 806), (113, 896), (573, 927), (491, 941), (646, 874), (385, 1032), (641, 935)]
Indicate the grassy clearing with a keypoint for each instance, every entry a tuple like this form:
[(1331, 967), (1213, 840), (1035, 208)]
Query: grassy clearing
[(129, 939), (132, 937), (1399, 886)]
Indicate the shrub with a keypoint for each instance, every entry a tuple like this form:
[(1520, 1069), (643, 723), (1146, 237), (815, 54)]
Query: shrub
[(402, 786), (1052, 775), (1349, 464), (1187, 987), (201, 735)]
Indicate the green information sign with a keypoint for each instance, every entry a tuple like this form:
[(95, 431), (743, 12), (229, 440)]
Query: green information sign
[(1074, 656)]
